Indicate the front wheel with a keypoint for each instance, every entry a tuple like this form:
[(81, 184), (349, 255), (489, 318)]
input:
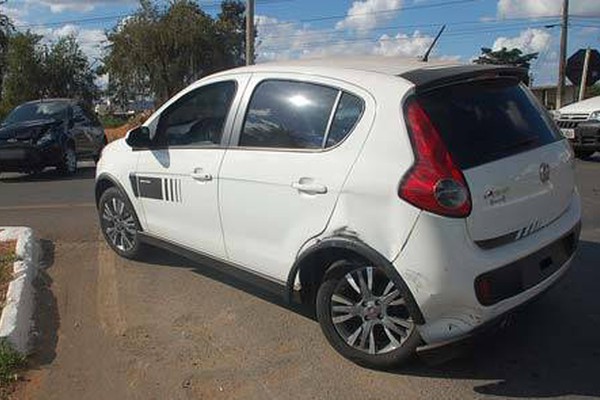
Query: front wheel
[(364, 316), (119, 223), (68, 163)]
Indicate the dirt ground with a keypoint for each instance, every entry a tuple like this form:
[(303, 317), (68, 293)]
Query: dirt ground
[(167, 328)]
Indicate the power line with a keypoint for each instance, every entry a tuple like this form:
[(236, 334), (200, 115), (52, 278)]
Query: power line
[(307, 44), (391, 10), (101, 18), (515, 23)]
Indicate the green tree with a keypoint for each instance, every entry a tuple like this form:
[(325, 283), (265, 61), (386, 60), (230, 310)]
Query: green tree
[(36, 71), (514, 57), (6, 29), (23, 78), (67, 72), (159, 51)]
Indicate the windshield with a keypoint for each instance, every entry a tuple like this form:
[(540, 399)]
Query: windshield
[(36, 111)]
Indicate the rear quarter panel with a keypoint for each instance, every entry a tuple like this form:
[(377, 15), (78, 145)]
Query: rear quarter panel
[(368, 207)]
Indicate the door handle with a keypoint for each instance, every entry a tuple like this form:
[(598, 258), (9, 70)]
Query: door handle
[(200, 175), (309, 187)]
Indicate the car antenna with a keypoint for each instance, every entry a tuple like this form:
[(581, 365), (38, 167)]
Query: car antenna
[(432, 45)]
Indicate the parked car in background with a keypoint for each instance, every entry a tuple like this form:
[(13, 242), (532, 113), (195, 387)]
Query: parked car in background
[(49, 133), (409, 203), (580, 123)]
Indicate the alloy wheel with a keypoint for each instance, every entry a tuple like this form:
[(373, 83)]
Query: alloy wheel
[(369, 312), (119, 224)]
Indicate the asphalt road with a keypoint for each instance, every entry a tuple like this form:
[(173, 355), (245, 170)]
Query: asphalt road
[(168, 328)]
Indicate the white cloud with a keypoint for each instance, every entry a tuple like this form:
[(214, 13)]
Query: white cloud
[(90, 40), (279, 40), (369, 14), (15, 14), (59, 6), (543, 8), (528, 41), (403, 45)]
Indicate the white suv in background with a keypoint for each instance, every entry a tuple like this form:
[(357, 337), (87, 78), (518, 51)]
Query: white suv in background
[(409, 203)]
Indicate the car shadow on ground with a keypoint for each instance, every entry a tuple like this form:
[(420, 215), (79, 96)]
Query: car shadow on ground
[(50, 174), (231, 276), (46, 320), (550, 348)]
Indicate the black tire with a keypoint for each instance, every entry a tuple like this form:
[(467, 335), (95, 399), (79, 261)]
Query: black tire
[(352, 349), (583, 154), (68, 162), (99, 154), (120, 226)]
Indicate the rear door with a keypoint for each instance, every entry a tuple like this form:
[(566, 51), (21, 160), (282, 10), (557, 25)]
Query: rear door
[(518, 167), (282, 176)]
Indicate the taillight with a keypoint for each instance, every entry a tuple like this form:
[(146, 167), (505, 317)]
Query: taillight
[(434, 182)]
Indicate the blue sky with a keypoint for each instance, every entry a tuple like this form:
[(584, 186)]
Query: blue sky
[(309, 28)]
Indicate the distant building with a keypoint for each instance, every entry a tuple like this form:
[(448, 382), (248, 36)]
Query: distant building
[(547, 95)]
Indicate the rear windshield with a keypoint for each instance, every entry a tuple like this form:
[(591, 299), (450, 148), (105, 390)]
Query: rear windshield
[(484, 121)]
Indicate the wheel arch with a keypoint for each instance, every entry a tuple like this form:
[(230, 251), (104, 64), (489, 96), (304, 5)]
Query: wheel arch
[(311, 266), (104, 182)]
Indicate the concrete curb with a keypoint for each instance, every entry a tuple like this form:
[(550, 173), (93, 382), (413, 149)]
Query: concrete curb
[(17, 315)]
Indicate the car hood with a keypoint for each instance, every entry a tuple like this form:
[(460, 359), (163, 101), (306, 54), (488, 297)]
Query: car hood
[(585, 106), (27, 129)]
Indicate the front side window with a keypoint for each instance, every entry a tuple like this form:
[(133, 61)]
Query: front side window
[(291, 115), (198, 118)]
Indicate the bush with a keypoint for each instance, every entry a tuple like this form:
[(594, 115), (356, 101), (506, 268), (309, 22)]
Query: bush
[(10, 362), (112, 121)]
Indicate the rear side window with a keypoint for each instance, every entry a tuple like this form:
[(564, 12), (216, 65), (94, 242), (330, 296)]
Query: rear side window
[(292, 115), (481, 122), (347, 114)]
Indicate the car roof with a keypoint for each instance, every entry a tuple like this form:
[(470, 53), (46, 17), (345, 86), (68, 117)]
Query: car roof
[(420, 73), (374, 64), (377, 64)]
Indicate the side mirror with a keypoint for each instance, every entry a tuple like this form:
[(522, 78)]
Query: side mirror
[(139, 138)]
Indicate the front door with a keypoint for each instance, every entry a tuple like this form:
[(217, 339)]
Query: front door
[(177, 179)]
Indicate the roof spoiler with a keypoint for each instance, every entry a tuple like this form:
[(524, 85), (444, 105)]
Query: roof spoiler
[(426, 79)]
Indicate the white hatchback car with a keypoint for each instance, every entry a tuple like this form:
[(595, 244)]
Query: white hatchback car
[(408, 202)]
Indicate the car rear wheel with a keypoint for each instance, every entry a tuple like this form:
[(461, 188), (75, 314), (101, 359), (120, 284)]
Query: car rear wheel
[(364, 316), (119, 223), (68, 164)]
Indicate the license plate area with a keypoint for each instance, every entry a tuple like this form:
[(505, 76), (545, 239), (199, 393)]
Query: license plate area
[(510, 280)]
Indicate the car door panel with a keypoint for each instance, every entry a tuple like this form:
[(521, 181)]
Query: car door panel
[(274, 200), (178, 182)]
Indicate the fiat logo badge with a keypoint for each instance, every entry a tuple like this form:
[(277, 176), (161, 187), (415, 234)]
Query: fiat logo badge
[(544, 172)]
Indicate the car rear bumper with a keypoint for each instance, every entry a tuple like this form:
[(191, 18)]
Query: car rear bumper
[(443, 278), (587, 136), (27, 157)]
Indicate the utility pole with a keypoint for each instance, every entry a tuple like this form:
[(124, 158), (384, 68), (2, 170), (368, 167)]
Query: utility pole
[(562, 61), (586, 66), (249, 32)]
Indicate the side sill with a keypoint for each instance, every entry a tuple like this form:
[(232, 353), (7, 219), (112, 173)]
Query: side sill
[(233, 274)]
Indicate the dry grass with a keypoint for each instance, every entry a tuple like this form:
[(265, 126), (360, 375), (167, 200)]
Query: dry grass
[(7, 258), (10, 361), (121, 131)]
